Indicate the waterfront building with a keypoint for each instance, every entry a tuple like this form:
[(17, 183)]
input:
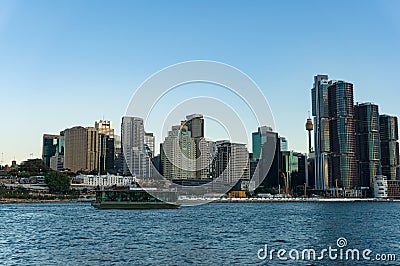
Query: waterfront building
[(368, 142), (380, 185), (231, 162), (342, 134), (178, 154), (320, 111), (105, 180), (81, 149), (389, 136), (204, 163), (50, 147), (136, 159)]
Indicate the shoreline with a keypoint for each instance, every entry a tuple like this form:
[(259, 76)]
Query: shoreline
[(18, 201)]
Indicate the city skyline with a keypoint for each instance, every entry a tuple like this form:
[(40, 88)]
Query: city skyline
[(58, 76)]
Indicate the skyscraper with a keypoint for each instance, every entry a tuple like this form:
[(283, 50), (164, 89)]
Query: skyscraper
[(195, 124), (368, 142), (149, 141), (342, 134), (104, 127), (136, 159), (81, 149), (50, 147), (231, 161), (258, 140), (106, 146), (179, 154), (320, 111), (389, 136)]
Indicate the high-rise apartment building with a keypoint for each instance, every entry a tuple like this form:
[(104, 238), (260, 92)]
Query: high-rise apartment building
[(231, 161), (342, 134), (81, 149), (178, 154), (389, 136), (132, 137), (368, 142)]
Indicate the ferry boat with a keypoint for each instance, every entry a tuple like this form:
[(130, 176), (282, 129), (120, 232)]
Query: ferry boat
[(135, 198)]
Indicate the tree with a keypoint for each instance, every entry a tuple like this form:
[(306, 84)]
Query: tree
[(34, 167), (58, 182)]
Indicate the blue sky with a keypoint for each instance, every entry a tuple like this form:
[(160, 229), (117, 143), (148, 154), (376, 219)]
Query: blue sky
[(67, 63)]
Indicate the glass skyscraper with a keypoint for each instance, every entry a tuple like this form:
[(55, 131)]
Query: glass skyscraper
[(342, 134), (368, 142), (389, 136), (320, 111)]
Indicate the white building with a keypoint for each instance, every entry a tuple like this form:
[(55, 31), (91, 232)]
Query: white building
[(106, 180), (380, 186), (132, 137)]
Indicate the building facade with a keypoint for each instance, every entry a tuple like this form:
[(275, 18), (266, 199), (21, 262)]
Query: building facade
[(368, 142), (389, 136), (50, 147), (81, 149), (132, 137), (320, 111), (342, 134), (178, 154), (231, 162)]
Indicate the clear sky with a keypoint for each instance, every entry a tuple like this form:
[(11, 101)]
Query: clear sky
[(67, 63)]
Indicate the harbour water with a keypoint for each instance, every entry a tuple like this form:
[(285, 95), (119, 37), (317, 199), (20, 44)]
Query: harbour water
[(212, 234)]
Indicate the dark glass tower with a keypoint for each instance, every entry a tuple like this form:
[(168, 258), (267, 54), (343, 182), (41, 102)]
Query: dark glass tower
[(320, 111), (50, 147), (342, 134), (368, 142), (389, 136)]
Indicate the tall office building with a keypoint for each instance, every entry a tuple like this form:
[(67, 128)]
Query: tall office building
[(81, 149), (119, 160), (204, 164), (320, 111), (106, 146), (104, 127), (389, 136), (195, 124), (231, 161), (178, 154), (342, 134), (368, 142), (258, 140), (50, 147), (284, 144), (270, 176), (136, 158), (149, 142)]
